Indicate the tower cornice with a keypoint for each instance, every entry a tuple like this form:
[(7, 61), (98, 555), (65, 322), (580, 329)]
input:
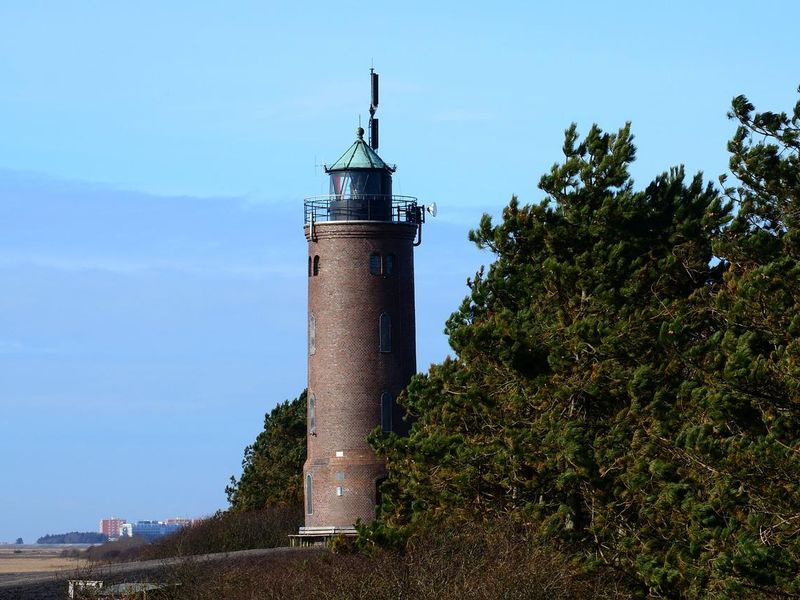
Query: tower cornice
[(361, 229)]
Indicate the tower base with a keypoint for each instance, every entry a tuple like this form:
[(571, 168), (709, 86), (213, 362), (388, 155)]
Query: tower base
[(319, 536)]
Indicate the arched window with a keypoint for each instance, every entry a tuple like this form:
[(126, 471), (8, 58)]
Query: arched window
[(312, 415), (375, 263), (312, 334), (309, 494), (309, 266), (385, 333), (316, 265), (387, 403), (388, 264)]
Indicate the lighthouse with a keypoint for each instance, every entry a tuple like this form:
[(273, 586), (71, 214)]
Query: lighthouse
[(361, 331)]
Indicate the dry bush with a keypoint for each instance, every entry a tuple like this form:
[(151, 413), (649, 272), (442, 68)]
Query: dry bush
[(474, 562), (120, 550), (228, 532), (222, 532)]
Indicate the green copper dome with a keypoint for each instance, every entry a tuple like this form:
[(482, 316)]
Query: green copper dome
[(359, 156)]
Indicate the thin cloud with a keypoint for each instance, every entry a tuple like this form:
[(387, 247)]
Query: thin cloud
[(136, 267), (17, 348)]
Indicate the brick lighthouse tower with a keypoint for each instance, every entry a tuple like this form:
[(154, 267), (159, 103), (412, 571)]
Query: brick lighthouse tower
[(361, 331)]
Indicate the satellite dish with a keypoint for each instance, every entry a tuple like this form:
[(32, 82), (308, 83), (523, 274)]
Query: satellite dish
[(431, 208)]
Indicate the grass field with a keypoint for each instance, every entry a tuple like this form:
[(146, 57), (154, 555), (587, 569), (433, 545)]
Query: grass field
[(31, 560)]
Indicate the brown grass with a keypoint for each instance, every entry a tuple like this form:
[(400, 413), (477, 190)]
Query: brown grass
[(32, 560)]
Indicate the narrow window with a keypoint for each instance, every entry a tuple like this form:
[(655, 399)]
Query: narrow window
[(386, 412), (316, 265), (312, 415), (312, 334), (375, 263), (388, 264), (385, 332), (309, 494), (309, 266)]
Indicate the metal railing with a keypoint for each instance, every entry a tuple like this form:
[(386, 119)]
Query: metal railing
[(363, 207)]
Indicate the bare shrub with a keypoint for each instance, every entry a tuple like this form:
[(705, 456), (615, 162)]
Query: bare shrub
[(228, 532), (222, 532), (475, 561), (120, 550)]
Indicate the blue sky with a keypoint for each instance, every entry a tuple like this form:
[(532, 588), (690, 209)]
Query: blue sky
[(153, 161)]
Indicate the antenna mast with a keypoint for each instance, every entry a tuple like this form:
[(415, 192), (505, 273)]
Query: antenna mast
[(373, 106)]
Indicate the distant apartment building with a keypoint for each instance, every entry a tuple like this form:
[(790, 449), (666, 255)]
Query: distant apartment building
[(151, 530), (112, 528)]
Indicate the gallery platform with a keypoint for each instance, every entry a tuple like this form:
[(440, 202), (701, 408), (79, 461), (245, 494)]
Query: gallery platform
[(319, 536)]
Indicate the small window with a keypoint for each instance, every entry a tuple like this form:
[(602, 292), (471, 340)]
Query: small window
[(387, 404), (312, 334), (385, 332), (309, 494), (309, 266), (381, 265), (375, 263), (316, 265), (312, 415)]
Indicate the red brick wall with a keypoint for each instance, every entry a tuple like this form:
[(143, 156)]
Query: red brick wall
[(347, 373)]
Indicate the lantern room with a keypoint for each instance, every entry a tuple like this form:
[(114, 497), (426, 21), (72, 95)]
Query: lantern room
[(360, 185)]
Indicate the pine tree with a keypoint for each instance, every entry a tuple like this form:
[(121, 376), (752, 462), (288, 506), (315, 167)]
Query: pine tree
[(565, 383), (272, 468), (742, 428)]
